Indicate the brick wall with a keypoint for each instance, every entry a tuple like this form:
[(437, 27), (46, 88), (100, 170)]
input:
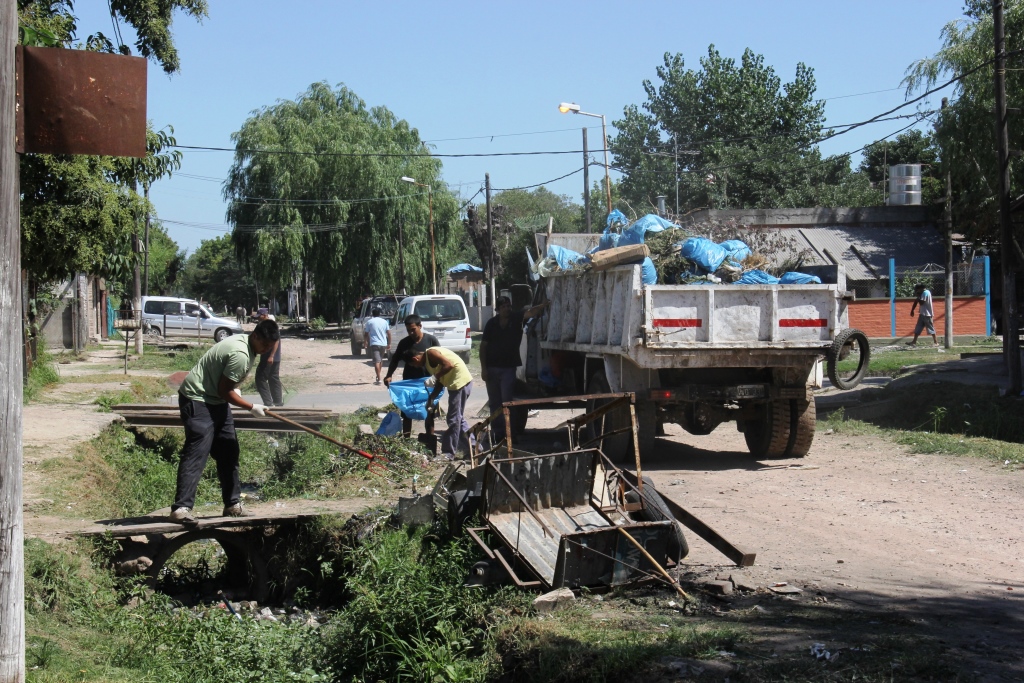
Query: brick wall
[(872, 316)]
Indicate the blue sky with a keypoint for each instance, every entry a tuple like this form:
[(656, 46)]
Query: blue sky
[(462, 70)]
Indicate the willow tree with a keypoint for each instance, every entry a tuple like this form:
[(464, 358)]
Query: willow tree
[(316, 187)]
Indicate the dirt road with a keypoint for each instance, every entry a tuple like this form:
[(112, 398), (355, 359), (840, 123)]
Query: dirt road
[(858, 519)]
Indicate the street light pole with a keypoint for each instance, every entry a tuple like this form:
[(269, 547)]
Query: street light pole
[(430, 200), (565, 108)]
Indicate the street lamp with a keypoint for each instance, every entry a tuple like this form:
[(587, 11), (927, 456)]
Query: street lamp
[(567, 107), (430, 198)]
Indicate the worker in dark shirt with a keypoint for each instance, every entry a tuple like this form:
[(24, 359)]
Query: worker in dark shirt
[(499, 356), (415, 341)]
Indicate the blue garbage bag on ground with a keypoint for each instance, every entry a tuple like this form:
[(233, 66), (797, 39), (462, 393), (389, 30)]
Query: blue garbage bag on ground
[(757, 277), (566, 258), (737, 250), (634, 234), (390, 425), (410, 395), (799, 279), (648, 273), (706, 254)]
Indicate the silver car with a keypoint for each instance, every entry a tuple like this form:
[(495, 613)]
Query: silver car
[(174, 317)]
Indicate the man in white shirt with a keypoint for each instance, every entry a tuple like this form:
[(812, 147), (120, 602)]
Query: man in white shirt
[(377, 339), (925, 316)]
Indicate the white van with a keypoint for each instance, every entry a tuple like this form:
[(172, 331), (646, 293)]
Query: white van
[(175, 317), (444, 316)]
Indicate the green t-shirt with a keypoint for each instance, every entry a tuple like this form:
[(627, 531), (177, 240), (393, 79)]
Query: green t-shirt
[(231, 358)]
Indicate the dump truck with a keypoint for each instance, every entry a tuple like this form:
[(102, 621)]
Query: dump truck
[(697, 355)]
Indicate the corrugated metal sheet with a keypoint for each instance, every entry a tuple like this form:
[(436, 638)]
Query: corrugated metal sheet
[(865, 252)]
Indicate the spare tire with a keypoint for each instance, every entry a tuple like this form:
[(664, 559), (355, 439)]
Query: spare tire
[(847, 342)]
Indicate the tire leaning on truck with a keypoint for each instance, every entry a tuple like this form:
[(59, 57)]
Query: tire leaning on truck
[(845, 343)]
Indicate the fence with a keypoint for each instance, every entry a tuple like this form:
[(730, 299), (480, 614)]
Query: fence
[(882, 308)]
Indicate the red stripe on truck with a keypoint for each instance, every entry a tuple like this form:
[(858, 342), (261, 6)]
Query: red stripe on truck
[(803, 322), (677, 322)]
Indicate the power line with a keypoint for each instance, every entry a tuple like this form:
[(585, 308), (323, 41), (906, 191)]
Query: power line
[(546, 182), (397, 155)]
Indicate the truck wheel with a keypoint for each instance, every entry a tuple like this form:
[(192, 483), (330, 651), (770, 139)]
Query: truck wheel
[(850, 343), (801, 430), (768, 437), (357, 349), (618, 448)]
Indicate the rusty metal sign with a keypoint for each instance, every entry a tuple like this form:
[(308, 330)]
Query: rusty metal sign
[(79, 102)]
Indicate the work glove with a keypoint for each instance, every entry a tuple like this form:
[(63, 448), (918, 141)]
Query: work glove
[(258, 410), (430, 382)]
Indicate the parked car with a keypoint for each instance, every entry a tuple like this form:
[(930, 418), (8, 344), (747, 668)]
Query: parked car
[(444, 316), (388, 303), (175, 317)]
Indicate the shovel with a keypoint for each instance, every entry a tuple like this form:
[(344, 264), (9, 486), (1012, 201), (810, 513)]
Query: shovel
[(377, 464)]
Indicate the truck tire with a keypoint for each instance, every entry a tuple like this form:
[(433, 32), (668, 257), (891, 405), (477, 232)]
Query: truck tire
[(768, 437), (801, 430), (357, 349), (618, 448), (846, 342)]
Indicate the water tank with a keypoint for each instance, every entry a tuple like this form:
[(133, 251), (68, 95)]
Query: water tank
[(905, 185)]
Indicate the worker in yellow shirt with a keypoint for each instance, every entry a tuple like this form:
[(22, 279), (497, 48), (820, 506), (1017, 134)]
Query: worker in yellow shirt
[(447, 371)]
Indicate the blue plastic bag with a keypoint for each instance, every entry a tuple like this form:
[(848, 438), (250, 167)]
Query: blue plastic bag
[(706, 254), (757, 277), (566, 258), (410, 395), (799, 279), (616, 217), (609, 240), (648, 273), (634, 234), (390, 425), (737, 250)]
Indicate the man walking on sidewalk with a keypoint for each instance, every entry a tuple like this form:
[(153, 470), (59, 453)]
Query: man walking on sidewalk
[(377, 339), (925, 317), (205, 399)]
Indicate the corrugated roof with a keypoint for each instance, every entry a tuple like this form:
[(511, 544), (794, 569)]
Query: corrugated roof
[(865, 252)]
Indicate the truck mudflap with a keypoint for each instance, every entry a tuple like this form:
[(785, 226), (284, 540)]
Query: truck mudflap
[(687, 393)]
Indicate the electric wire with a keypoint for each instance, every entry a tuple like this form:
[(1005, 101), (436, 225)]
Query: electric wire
[(529, 187)]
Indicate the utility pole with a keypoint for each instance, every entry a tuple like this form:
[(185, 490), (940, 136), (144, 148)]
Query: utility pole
[(145, 243), (12, 566), (1011, 342), (137, 275), (949, 250), (490, 237), (586, 179)]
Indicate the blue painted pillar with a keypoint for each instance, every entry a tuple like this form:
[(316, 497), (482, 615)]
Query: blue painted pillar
[(988, 298), (892, 296)]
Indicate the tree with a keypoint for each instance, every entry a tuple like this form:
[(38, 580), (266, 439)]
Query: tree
[(964, 133), (316, 187), (214, 273), (912, 147), (753, 139)]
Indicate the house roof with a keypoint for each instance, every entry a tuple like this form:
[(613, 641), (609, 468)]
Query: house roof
[(865, 252)]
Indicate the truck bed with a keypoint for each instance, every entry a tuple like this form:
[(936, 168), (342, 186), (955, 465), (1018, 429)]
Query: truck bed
[(612, 312)]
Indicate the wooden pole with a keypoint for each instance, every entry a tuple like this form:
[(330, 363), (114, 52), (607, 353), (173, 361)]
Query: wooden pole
[(12, 566), (490, 237), (145, 244), (1011, 342), (948, 332)]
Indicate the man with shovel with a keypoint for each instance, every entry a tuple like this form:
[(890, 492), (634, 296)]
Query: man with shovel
[(205, 399)]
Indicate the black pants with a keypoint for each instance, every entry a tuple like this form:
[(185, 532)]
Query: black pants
[(268, 382), (209, 430)]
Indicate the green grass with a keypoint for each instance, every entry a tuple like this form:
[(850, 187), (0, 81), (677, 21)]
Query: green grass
[(169, 361), (42, 376), (141, 389)]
